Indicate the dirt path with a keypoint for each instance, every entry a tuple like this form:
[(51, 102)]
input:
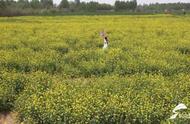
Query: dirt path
[(7, 118)]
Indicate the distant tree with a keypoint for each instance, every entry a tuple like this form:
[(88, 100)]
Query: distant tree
[(134, 4), (120, 5), (47, 3), (72, 6), (9, 3), (82, 6), (2, 4), (92, 6), (125, 5), (77, 2), (35, 4), (23, 4), (64, 4), (104, 7)]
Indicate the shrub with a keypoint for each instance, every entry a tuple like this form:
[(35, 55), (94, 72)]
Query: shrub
[(11, 84)]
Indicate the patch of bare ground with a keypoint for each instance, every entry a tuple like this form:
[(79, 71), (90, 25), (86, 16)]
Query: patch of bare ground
[(8, 118)]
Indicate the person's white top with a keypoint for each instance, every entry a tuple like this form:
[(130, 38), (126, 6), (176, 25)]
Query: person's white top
[(105, 44), (176, 112)]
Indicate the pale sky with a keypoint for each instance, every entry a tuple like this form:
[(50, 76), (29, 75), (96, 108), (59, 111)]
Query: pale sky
[(139, 1)]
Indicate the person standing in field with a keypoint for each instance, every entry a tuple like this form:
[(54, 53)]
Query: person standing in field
[(184, 12), (105, 39)]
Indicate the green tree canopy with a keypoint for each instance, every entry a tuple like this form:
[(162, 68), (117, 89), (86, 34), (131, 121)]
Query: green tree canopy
[(77, 2), (35, 4), (125, 5), (2, 4), (47, 3), (64, 4)]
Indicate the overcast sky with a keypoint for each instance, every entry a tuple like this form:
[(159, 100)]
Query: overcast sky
[(139, 1)]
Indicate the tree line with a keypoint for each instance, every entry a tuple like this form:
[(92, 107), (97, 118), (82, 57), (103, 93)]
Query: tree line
[(165, 7), (12, 7), (32, 7)]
